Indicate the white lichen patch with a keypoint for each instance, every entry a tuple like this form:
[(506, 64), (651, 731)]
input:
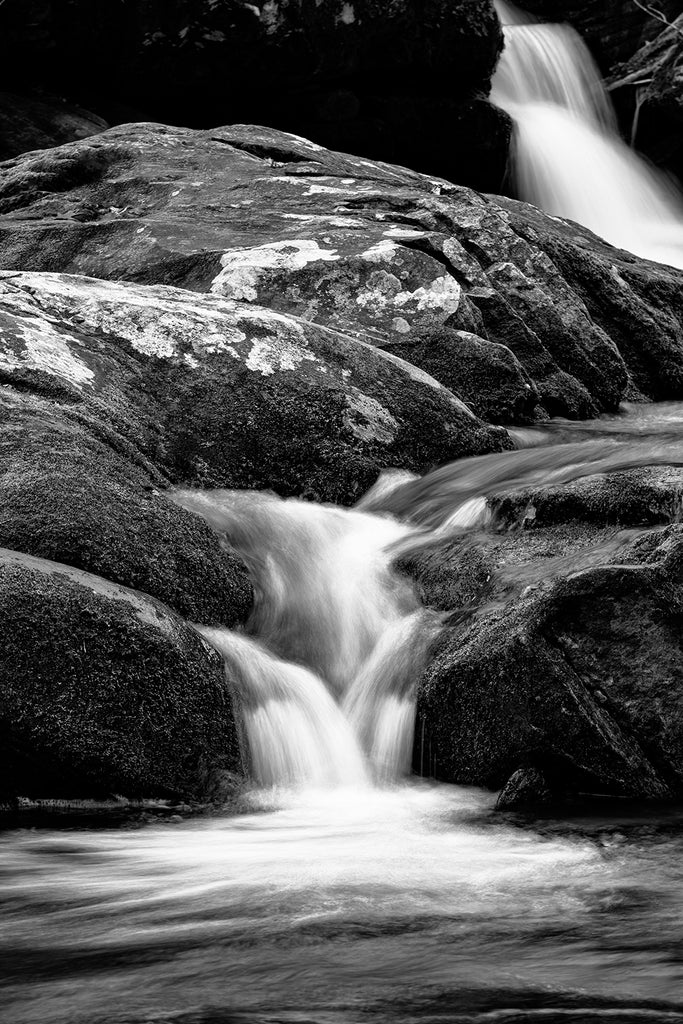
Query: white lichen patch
[(268, 355), (383, 251), (369, 419), (403, 233), (443, 294), (37, 345), (243, 268)]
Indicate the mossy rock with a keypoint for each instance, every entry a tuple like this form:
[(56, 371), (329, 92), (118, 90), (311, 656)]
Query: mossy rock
[(105, 691)]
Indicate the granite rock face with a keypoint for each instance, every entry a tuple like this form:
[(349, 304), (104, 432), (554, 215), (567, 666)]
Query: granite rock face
[(377, 252)]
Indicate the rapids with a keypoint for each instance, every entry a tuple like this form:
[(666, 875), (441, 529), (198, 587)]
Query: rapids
[(567, 156), (339, 889)]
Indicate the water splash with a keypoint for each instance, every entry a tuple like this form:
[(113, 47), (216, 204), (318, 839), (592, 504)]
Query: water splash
[(567, 157)]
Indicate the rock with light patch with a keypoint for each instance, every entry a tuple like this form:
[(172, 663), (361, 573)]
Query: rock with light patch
[(367, 249), (201, 389)]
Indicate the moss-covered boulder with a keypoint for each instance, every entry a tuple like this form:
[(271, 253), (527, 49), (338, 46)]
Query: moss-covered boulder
[(105, 691)]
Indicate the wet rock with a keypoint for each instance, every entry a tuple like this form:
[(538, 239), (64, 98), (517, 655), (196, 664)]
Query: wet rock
[(216, 392), (571, 664), (28, 123), (105, 691), (635, 498), (404, 81), (525, 788), (375, 252)]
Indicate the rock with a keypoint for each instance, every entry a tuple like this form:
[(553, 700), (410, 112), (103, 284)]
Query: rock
[(383, 80), (569, 662), (68, 497), (639, 497), (104, 690), (525, 788), (211, 391), (28, 123), (488, 376), (648, 91), (375, 252)]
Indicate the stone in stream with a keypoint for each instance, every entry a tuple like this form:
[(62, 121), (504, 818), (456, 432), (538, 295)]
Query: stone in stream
[(563, 646), (106, 691), (373, 251)]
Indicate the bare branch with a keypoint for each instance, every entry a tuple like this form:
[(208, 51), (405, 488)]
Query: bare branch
[(653, 12)]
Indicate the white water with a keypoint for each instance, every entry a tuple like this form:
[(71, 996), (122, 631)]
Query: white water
[(567, 157), (326, 680)]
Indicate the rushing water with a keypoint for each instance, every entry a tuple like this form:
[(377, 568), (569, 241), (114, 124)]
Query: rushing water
[(339, 889), (567, 156)]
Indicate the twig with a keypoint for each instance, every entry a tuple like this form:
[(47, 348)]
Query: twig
[(658, 16)]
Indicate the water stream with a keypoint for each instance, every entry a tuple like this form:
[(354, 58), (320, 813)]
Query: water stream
[(567, 157), (340, 889)]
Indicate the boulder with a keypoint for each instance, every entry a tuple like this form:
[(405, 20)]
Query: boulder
[(384, 80), (198, 389), (39, 122), (106, 691), (561, 655), (369, 250)]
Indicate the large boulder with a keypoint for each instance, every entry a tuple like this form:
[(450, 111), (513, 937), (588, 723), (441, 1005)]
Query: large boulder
[(376, 252), (403, 81), (203, 390), (562, 651), (105, 691)]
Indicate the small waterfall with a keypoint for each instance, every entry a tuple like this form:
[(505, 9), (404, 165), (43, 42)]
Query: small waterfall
[(567, 157), (325, 681)]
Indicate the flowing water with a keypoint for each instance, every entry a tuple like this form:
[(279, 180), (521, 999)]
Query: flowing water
[(340, 889), (567, 156)]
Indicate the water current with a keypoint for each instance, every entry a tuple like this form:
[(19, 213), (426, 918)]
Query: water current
[(338, 888), (568, 157)]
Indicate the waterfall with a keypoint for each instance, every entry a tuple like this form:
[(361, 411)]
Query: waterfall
[(567, 157), (325, 679)]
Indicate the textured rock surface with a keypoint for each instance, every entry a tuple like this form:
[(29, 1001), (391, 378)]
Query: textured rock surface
[(206, 390), (563, 649), (105, 691), (28, 123), (373, 251), (403, 81)]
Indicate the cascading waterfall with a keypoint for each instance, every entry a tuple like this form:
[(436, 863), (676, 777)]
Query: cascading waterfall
[(567, 157), (326, 679)]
